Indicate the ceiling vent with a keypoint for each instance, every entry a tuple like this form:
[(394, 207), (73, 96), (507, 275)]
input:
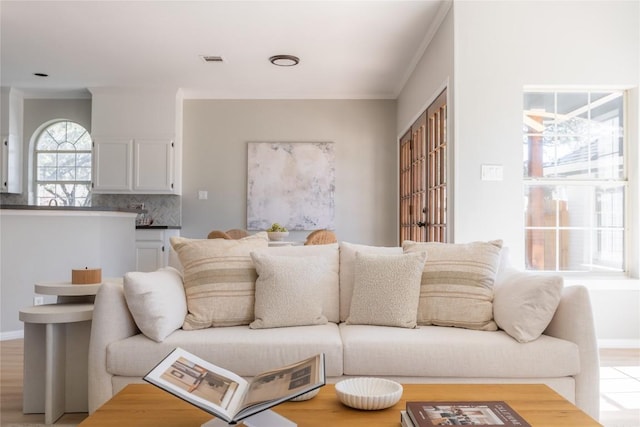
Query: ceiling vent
[(211, 58)]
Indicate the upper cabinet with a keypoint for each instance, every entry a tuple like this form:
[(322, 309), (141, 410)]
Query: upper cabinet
[(140, 165), (137, 141), (11, 109)]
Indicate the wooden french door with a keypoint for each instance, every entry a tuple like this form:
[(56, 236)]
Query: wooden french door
[(423, 176)]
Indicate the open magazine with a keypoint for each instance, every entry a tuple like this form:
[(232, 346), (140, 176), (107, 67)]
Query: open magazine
[(227, 395)]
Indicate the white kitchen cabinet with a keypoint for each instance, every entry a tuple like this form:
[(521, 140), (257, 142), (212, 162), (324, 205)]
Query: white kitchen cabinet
[(112, 165), (152, 248), (10, 164), (153, 165), (133, 165)]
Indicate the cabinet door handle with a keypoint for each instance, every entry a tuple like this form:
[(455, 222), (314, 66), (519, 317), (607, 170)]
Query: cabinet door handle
[(162, 248)]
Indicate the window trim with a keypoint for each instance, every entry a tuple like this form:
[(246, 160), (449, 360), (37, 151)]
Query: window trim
[(628, 262)]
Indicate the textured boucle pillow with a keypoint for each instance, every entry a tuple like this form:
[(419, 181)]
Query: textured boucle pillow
[(524, 303), (288, 291), (330, 279), (348, 266), (156, 301), (386, 289), (457, 283), (219, 279)]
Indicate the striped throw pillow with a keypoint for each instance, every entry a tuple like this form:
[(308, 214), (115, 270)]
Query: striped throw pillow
[(457, 283), (219, 279)]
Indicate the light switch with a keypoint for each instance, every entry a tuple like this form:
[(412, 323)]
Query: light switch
[(492, 172), (203, 195)]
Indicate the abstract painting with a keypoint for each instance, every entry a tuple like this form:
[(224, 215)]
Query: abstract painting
[(291, 183)]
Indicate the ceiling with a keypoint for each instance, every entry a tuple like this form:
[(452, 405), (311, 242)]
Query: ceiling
[(347, 49)]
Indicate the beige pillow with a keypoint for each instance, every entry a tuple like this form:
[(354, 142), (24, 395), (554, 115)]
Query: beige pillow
[(219, 279), (330, 280), (156, 301), (457, 283), (288, 291), (347, 270), (524, 303), (386, 289)]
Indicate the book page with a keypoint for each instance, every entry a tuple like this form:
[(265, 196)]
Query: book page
[(286, 382), (214, 389)]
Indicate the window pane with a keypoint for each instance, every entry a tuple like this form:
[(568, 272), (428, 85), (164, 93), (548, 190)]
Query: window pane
[(84, 143), (83, 160), (58, 131), (610, 207), (74, 132), (66, 174), (46, 142), (541, 250), (68, 160), (83, 174), (609, 250), (47, 174), (575, 254)]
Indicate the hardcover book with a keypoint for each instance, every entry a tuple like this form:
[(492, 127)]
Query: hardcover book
[(227, 395), (490, 414)]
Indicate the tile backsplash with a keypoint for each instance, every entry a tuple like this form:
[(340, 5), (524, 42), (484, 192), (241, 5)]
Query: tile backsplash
[(163, 209)]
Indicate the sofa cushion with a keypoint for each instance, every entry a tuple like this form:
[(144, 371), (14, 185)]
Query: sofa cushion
[(434, 351), (156, 301), (288, 291), (386, 290), (347, 270), (240, 349), (219, 279), (457, 283), (524, 303), (330, 281)]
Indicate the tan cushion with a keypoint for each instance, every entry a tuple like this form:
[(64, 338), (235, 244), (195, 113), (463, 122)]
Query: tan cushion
[(386, 289), (219, 279), (156, 301), (347, 270), (436, 352), (242, 350), (524, 303), (457, 283), (288, 291), (330, 280)]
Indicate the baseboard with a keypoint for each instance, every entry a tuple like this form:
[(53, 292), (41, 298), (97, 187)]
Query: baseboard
[(11, 335), (627, 343)]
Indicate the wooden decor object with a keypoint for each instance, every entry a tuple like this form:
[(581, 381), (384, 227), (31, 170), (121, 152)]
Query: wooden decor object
[(86, 276), (321, 237)]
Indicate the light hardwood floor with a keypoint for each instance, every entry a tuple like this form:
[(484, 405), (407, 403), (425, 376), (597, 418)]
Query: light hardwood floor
[(620, 388)]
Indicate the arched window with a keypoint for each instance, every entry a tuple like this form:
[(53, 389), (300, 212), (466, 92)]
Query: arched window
[(62, 159)]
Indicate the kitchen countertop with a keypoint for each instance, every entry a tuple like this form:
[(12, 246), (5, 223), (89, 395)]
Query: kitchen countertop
[(158, 227), (71, 208)]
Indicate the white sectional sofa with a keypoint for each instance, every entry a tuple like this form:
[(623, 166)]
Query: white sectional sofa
[(545, 333)]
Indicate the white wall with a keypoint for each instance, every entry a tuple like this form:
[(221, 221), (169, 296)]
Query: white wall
[(215, 139), (499, 48)]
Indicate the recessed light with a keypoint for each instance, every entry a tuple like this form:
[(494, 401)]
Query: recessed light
[(284, 60), (41, 74)]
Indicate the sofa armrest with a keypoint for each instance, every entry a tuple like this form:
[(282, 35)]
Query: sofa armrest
[(112, 321), (573, 321)]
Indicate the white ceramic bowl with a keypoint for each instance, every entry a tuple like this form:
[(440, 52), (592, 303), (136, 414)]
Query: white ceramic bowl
[(277, 235), (369, 393), (308, 395)]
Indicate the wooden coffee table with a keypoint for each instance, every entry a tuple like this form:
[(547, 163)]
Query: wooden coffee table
[(146, 405)]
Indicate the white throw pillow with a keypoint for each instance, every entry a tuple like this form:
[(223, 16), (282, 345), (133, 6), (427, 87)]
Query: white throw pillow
[(348, 266), (524, 303), (156, 301), (289, 290), (330, 280), (386, 290)]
